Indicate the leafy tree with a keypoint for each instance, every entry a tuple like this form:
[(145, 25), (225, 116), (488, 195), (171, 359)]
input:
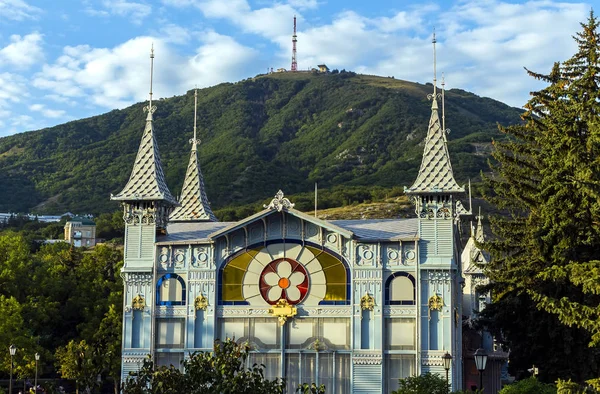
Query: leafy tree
[(547, 177), (108, 341), (78, 361), (14, 265), (221, 371)]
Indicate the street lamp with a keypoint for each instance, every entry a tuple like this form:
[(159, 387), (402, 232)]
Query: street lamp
[(37, 358), (13, 350), (480, 361), (447, 361)]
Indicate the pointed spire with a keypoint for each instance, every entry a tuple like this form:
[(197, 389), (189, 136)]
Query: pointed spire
[(435, 174), (147, 179), (479, 237), (194, 203)]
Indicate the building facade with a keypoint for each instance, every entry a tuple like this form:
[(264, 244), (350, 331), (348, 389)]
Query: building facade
[(80, 232), (352, 304)]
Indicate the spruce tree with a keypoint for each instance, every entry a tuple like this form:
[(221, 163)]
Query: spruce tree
[(546, 176)]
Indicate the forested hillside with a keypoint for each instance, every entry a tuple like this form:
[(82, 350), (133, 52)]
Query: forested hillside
[(279, 131)]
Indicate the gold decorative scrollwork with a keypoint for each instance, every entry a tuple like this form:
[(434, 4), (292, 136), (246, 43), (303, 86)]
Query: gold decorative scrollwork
[(201, 302), (435, 303), (283, 310), (367, 302), (138, 303)]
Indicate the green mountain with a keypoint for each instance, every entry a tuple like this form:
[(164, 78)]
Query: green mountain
[(279, 131)]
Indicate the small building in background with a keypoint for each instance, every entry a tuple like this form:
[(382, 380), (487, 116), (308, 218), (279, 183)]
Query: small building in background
[(323, 68), (80, 232)]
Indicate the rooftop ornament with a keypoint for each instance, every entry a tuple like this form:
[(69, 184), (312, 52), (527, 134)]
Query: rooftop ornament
[(279, 203)]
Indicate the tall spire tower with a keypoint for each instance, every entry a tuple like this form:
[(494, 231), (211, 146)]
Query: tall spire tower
[(146, 195), (435, 194), (294, 40), (435, 181), (147, 203), (194, 203)]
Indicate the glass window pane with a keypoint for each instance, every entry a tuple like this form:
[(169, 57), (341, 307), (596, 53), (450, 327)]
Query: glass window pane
[(342, 374), (169, 333), (402, 289), (334, 332), (301, 332), (292, 372), (400, 334), (326, 371), (269, 363), (308, 368), (398, 366), (168, 359)]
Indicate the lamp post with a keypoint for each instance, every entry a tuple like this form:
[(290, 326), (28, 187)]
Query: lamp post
[(37, 358), (480, 361), (13, 350), (447, 361)]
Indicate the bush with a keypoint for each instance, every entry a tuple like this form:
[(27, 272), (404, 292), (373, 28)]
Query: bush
[(424, 384), (529, 386)]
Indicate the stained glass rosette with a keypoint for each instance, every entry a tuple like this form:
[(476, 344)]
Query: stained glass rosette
[(284, 278)]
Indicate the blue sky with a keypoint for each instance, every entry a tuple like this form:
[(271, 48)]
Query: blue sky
[(62, 60)]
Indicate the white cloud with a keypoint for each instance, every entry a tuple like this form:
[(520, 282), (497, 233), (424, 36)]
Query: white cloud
[(12, 88), (304, 4), (117, 77), (22, 52), (175, 34), (136, 12), (18, 10), (48, 113)]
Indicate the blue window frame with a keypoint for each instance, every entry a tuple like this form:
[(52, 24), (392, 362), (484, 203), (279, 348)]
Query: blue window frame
[(388, 289), (159, 294)]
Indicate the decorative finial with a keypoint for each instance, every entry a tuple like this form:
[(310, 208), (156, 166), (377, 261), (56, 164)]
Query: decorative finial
[(434, 65), (151, 108), (435, 94), (279, 203), (443, 108), (194, 141)]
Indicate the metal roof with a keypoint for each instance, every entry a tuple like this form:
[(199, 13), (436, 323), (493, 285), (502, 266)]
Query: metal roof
[(190, 231), (435, 174), (193, 200), (366, 230), (147, 180), (381, 229)]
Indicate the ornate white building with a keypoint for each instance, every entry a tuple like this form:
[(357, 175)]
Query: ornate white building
[(352, 304)]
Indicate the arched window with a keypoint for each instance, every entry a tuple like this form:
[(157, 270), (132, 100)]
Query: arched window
[(400, 289), (170, 290)]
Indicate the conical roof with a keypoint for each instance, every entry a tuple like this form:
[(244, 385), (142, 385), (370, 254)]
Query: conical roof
[(147, 180), (193, 200), (435, 174), (479, 236)]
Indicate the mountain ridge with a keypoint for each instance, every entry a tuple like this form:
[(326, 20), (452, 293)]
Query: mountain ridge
[(277, 131)]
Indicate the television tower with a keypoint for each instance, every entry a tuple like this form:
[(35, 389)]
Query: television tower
[(294, 40)]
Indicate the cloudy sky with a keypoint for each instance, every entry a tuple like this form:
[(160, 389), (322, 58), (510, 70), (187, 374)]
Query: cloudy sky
[(67, 59)]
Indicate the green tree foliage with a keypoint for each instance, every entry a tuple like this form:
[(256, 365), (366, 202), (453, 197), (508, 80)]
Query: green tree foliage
[(77, 361), (529, 386), (221, 371), (427, 383), (258, 135), (110, 225), (547, 177), (56, 296), (312, 388)]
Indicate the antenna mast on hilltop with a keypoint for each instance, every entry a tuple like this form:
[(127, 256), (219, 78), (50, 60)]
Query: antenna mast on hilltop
[(294, 40)]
